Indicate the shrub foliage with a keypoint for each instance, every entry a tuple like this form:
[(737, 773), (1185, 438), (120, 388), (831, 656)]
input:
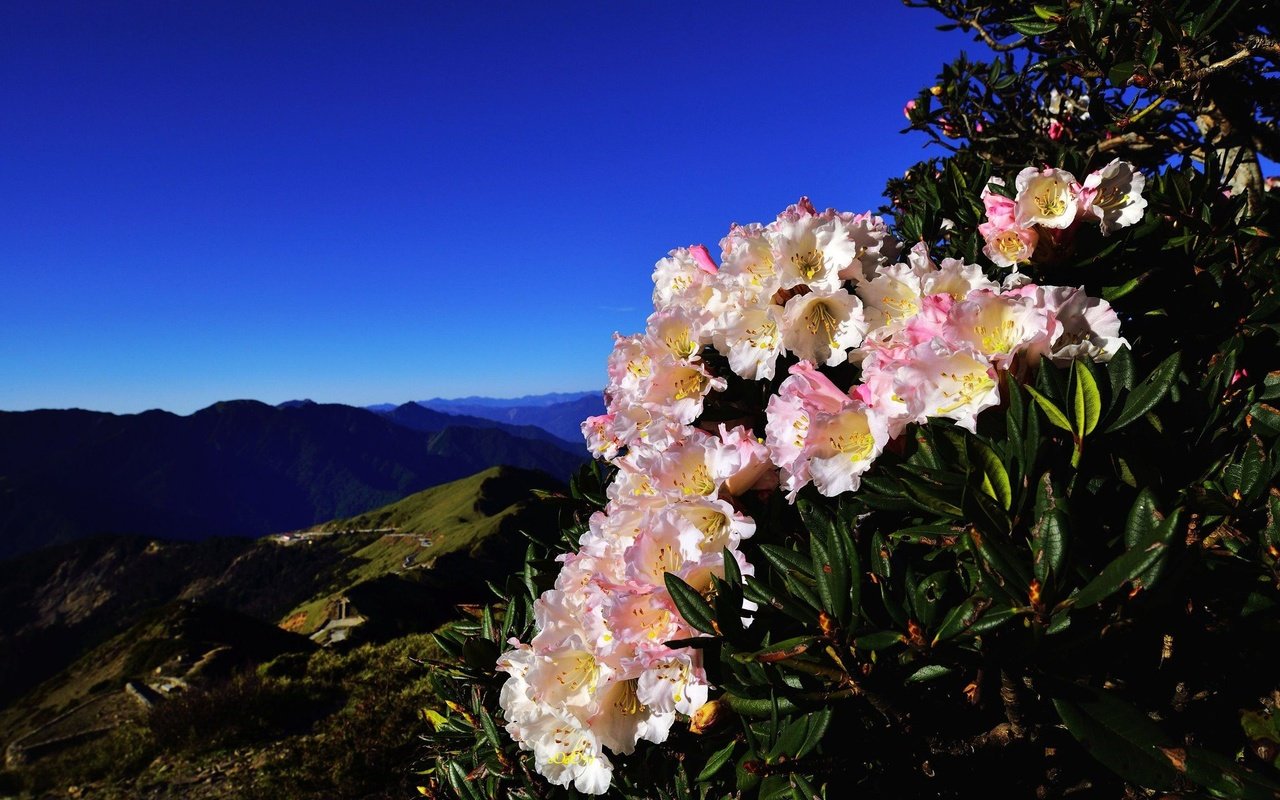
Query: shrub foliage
[(1082, 595)]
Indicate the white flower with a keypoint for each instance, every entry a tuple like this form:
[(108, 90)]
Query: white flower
[(843, 447), (673, 684), (621, 720), (1113, 194), (752, 341), (812, 251), (566, 752), (822, 327), (948, 383), (1046, 197)]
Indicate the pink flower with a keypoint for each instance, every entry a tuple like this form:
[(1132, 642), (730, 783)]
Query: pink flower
[(1056, 129), (1000, 209), (908, 108), (703, 258)]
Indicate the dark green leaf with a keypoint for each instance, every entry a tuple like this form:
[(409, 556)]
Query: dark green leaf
[(1143, 520), (1048, 532), (1032, 26), (1148, 393), (690, 604), (717, 761), (879, 640), (1118, 735), (930, 672)]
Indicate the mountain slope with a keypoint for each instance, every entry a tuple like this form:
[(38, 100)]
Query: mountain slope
[(235, 468)]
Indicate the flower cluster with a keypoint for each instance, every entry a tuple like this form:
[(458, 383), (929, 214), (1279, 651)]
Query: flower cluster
[(811, 298), (1051, 202)]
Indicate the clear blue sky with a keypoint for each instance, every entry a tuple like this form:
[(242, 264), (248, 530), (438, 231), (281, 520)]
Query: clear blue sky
[(363, 202)]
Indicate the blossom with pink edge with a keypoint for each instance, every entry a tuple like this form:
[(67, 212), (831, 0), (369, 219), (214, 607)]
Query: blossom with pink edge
[(841, 447), (949, 383), (811, 249), (823, 327), (747, 265), (1002, 212), (1000, 326), (680, 280), (752, 341), (1047, 197), (1113, 195), (1090, 326), (602, 440), (956, 279), (1008, 247)]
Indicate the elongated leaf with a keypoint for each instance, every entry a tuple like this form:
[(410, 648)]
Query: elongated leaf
[(1051, 411), (690, 604), (818, 723), (1151, 391), (1118, 735), (1143, 519), (784, 559), (1087, 401), (1002, 563), (1222, 776), (930, 672), (717, 761), (778, 650), (830, 575), (879, 640), (1048, 532), (961, 618), (995, 479), (1131, 567)]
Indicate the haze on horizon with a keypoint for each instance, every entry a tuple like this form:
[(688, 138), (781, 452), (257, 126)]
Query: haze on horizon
[(366, 205)]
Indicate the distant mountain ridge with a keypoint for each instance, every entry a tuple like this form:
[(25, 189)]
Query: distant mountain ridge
[(235, 468), (473, 401), (560, 414)]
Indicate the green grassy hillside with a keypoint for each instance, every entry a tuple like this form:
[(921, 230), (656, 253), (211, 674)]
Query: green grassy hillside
[(418, 531)]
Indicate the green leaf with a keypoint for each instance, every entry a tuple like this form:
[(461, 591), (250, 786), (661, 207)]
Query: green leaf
[(1032, 26), (828, 572), (879, 640), (778, 650), (1051, 412), (1148, 393), (1086, 402), (1118, 735), (1120, 73), (717, 761), (1047, 12), (786, 560), (690, 604), (930, 672), (1223, 777), (818, 723), (1143, 519), (961, 618), (1002, 563), (1130, 567), (1049, 532), (995, 479)]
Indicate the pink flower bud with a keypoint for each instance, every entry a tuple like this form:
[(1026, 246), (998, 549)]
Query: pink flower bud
[(700, 255)]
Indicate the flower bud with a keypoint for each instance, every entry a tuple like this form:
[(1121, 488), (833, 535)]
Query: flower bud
[(709, 716)]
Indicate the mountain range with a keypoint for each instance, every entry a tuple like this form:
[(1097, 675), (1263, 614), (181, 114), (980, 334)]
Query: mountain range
[(239, 468), (560, 413)]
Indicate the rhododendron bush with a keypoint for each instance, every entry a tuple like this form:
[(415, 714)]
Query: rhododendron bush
[(972, 494)]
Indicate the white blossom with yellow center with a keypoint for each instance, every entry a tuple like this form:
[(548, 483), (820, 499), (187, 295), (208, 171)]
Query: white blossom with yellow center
[(823, 327), (1048, 197)]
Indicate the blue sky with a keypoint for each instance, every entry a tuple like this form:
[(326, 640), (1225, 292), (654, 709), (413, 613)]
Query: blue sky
[(384, 201)]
